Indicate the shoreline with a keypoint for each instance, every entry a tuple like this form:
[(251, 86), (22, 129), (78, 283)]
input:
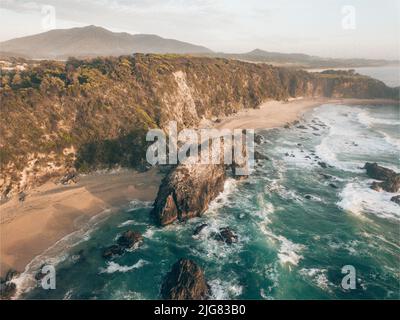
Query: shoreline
[(274, 114), (52, 211)]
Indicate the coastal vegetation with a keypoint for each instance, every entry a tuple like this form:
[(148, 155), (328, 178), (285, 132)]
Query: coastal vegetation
[(83, 115)]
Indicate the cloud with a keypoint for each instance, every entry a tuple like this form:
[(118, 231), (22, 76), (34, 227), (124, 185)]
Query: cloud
[(310, 26)]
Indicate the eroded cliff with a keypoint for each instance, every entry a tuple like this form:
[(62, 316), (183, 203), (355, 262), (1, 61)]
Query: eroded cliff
[(58, 117)]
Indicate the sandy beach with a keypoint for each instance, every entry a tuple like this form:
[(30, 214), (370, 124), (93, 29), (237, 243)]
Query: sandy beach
[(273, 114), (51, 212)]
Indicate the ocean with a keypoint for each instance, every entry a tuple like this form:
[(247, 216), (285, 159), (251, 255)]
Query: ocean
[(298, 224), (390, 75)]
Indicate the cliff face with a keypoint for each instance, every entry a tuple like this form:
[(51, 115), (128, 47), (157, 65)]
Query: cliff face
[(82, 115)]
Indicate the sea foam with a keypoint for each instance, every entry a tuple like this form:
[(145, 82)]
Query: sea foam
[(115, 267), (358, 199)]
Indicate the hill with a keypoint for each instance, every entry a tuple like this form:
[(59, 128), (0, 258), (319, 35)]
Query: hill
[(92, 41), (83, 115)]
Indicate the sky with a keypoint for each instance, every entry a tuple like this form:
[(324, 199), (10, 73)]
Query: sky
[(327, 28)]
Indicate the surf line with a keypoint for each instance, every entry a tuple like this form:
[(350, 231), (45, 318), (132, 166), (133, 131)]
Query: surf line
[(165, 310)]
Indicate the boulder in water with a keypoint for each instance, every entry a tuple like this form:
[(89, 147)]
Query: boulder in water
[(322, 164), (185, 281), (226, 235), (8, 288), (390, 179), (199, 228), (187, 191), (396, 199), (113, 251), (130, 239)]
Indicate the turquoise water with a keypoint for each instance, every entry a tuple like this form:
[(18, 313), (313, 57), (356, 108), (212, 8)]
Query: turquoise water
[(290, 247)]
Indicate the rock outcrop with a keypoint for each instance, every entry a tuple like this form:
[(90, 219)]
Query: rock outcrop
[(187, 191), (128, 240), (7, 287), (390, 179), (226, 235), (185, 281), (94, 114)]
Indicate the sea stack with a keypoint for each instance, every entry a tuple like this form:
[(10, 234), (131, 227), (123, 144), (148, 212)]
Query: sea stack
[(185, 281), (187, 191)]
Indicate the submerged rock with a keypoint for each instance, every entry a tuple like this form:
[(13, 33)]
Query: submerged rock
[(185, 281), (258, 138), (332, 185), (326, 176), (199, 228), (396, 199), (377, 172), (128, 240), (322, 164), (113, 251), (8, 288), (260, 156), (226, 235), (392, 184)]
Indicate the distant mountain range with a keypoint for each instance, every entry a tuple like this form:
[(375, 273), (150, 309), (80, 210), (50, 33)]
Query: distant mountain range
[(302, 60), (93, 41)]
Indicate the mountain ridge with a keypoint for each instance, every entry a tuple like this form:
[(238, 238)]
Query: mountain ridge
[(94, 41)]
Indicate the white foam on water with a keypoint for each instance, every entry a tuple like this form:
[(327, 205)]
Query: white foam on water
[(395, 142), (352, 246), (265, 209), (115, 267), (348, 135), (288, 252), (68, 295), (126, 223), (225, 290), (211, 249), (318, 277), (365, 118), (138, 204), (56, 254), (149, 233), (358, 198), (222, 199), (126, 295)]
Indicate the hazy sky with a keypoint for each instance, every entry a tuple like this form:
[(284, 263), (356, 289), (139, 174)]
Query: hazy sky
[(307, 26)]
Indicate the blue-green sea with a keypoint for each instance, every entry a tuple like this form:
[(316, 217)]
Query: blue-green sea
[(296, 227)]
